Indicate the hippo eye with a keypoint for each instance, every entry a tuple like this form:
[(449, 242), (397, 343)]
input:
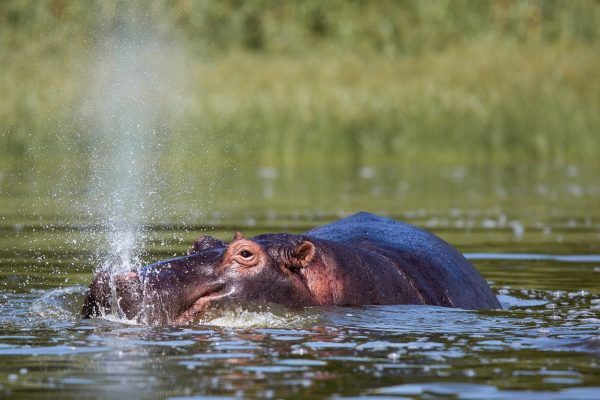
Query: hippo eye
[(246, 253), (246, 257)]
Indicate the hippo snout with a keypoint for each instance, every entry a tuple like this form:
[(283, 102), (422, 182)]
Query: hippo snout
[(119, 295), (159, 292)]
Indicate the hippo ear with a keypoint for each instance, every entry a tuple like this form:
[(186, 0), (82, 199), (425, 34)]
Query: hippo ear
[(304, 253)]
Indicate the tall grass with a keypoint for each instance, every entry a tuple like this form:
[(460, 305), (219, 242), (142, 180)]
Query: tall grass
[(472, 102), (306, 82)]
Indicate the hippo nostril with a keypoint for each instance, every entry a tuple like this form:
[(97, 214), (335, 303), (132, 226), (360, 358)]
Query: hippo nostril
[(128, 276), (129, 294), (127, 281)]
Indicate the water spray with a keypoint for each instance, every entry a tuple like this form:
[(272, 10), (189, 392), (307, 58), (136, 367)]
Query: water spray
[(126, 109)]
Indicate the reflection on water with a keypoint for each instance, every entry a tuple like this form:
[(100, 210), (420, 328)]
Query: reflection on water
[(544, 340), (539, 248)]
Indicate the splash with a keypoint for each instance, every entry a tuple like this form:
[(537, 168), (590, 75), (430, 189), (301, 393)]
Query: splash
[(128, 109), (124, 140), (266, 316), (60, 304)]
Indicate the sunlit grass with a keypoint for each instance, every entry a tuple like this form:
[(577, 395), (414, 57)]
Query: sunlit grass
[(471, 103), (417, 81)]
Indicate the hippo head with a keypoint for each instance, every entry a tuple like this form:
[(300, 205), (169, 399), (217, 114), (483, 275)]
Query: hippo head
[(265, 269)]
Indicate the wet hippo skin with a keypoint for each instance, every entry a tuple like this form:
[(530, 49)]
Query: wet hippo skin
[(359, 260)]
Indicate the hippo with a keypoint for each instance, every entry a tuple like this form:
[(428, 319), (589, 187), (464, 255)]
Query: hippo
[(363, 259)]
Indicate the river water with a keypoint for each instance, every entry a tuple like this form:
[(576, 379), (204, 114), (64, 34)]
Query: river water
[(533, 232)]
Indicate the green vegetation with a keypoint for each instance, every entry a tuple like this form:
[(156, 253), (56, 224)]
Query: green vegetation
[(280, 82)]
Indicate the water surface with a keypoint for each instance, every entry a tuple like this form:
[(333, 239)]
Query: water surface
[(534, 234)]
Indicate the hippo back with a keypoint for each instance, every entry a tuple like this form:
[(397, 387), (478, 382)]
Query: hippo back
[(440, 273)]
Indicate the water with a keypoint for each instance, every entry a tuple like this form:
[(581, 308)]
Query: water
[(533, 237)]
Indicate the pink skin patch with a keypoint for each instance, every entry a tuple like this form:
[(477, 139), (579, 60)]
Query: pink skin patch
[(199, 306)]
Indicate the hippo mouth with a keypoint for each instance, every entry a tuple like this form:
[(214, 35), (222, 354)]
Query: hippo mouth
[(126, 296), (203, 302), (174, 291)]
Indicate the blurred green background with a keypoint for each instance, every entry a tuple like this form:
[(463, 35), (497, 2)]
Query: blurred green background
[(283, 87), (403, 80)]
